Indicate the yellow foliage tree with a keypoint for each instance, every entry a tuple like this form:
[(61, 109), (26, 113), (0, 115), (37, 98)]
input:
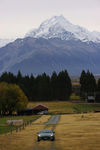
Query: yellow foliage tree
[(12, 98)]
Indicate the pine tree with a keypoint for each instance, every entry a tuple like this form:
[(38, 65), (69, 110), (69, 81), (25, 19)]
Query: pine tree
[(88, 83), (64, 85), (54, 86)]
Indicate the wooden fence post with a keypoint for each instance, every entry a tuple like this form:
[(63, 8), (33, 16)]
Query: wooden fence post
[(11, 131), (16, 129), (23, 126)]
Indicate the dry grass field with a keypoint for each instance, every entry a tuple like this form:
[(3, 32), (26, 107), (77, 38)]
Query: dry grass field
[(65, 107), (55, 106), (73, 132), (78, 132), (24, 140)]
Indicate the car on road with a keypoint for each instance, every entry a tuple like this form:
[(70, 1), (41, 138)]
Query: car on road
[(46, 134)]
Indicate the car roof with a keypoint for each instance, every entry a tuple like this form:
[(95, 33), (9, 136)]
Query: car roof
[(46, 130)]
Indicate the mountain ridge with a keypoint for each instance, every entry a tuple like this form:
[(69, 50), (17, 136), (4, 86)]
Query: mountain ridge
[(38, 55), (54, 46), (4, 42), (57, 26)]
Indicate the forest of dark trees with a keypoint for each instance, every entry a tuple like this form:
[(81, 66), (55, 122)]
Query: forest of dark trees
[(55, 87), (42, 87)]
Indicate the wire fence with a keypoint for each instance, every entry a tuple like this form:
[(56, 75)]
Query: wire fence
[(19, 128)]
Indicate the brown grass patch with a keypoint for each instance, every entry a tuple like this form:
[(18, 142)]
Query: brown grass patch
[(42, 119), (24, 140), (56, 107), (73, 132), (78, 132)]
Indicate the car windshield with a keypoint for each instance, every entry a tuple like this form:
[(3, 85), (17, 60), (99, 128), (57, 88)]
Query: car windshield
[(46, 131)]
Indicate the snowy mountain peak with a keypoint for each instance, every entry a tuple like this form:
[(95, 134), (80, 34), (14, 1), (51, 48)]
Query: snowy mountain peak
[(55, 20), (60, 27)]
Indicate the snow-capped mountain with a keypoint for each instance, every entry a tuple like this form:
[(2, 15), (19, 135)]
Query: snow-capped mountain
[(60, 27), (4, 42), (56, 45)]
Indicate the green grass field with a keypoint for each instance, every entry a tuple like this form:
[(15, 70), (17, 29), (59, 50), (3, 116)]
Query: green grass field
[(4, 128)]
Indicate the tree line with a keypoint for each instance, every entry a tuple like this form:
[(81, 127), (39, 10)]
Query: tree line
[(42, 87), (55, 87), (16, 90), (89, 86)]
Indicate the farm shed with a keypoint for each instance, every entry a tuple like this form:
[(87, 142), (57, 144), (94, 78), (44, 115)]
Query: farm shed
[(38, 109), (90, 99)]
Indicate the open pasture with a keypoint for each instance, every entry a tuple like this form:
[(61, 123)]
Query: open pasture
[(72, 132), (4, 128), (25, 139), (65, 107), (78, 132)]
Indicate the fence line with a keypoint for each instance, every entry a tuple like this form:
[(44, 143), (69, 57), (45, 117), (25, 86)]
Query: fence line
[(22, 127)]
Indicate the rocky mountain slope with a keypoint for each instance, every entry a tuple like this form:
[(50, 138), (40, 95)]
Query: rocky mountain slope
[(31, 55)]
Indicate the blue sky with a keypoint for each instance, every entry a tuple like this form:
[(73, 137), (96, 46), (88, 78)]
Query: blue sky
[(19, 16)]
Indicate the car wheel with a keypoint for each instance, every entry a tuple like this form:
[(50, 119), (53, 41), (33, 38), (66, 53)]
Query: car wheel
[(52, 139), (38, 140)]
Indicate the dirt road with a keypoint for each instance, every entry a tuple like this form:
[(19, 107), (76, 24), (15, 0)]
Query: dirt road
[(48, 145), (53, 120)]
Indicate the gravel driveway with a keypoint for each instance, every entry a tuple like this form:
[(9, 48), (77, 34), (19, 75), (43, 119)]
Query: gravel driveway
[(53, 120)]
